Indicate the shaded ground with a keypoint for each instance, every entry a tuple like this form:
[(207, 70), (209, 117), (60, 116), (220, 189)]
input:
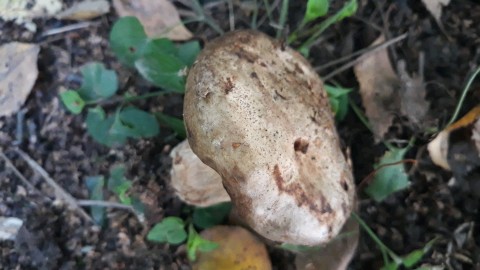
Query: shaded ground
[(56, 238)]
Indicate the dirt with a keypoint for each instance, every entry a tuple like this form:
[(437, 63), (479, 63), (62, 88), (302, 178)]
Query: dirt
[(56, 237)]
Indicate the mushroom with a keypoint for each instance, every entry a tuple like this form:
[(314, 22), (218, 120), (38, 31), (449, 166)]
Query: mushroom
[(257, 113)]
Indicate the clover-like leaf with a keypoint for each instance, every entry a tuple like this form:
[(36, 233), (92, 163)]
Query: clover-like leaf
[(72, 101), (98, 82), (196, 242), (169, 230), (118, 184), (99, 126), (389, 178), (135, 123), (316, 9), (210, 216), (128, 39), (95, 187)]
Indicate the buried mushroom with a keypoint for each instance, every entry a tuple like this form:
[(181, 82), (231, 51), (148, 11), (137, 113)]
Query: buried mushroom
[(257, 113)]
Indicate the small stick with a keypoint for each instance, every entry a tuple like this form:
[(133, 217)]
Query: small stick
[(368, 50), (9, 164), (59, 191), (67, 28)]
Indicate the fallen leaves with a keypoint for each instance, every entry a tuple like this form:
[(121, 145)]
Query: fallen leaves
[(85, 10), (193, 181), (237, 249), (377, 86), (386, 94), (18, 73), (435, 7), (160, 17)]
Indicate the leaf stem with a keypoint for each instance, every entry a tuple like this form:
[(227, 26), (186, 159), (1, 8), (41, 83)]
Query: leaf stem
[(283, 18), (462, 97)]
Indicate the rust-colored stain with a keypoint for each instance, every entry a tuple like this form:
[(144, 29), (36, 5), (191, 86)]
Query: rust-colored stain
[(301, 145), (236, 145), (296, 191), (228, 86)]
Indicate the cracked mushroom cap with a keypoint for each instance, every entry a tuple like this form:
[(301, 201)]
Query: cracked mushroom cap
[(257, 113)]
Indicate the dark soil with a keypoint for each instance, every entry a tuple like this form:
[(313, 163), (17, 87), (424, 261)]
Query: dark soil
[(55, 237)]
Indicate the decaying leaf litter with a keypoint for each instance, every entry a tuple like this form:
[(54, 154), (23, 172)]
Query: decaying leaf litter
[(412, 224)]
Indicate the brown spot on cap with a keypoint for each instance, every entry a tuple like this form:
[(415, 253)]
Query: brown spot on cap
[(300, 145), (236, 145), (228, 86)]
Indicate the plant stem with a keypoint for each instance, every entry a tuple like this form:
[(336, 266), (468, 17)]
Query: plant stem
[(122, 99), (253, 24), (283, 18), (462, 97)]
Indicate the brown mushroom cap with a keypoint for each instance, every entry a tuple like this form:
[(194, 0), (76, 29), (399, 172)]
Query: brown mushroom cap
[(257, 113)]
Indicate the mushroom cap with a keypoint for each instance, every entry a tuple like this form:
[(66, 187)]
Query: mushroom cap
[(257, 113), (194, 182)]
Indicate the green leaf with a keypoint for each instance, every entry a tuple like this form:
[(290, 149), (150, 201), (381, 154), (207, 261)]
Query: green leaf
[(210, 216), (413, 257), (316, 9), (100, 128), (169, 230), (72, 100), (348, 10), (174, 123), (163, 70), (136, 123), (196, 242), (98, 82), (163, 45), (118, 184), (188, 52), (128, 39), (390, 178), (95, 187), (338, 97)]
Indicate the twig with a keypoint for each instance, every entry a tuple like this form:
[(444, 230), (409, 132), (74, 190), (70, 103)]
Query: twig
[(67, 28), (59, 191), (9, 164), (369, 50), (116, 205)]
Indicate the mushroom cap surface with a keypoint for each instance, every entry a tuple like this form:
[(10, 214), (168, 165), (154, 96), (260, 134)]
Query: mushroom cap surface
[(257, 113)]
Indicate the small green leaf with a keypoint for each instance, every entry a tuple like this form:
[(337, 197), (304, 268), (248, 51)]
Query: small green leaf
[(99, 126), (118, 184), (72, 101), (95, 187), (188, 52), (169, 230), (390, 178), (338, 97), (174, 123), (163, 70), (128, 39), (196, 242), (348, 10), (163, 45), (316, 9), (136, 123), (98, 82), (210, 216), (413, 258)]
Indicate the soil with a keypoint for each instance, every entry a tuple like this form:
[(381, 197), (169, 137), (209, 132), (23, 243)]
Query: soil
[(57, 237)]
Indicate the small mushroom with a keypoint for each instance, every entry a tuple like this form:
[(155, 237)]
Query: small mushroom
[(194, 182), (257, 113)]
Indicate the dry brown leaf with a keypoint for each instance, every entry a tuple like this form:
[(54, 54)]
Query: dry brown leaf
[(378, 82), (336, 255), (24, 11), (412, 95), (159, 17), (85, 10), (435, 7), (193, 181), (18, 73), (238, 250)]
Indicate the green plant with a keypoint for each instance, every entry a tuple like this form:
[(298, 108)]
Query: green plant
[(118, 184), (159, 61), (338, 98)]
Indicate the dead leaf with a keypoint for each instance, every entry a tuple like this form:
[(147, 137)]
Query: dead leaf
[(238, 250), (378, 82), (24, 11), (412, 95), (336, 255), (18, 73), (159, 17), (435, 7), (85, 10), (193, 181)]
